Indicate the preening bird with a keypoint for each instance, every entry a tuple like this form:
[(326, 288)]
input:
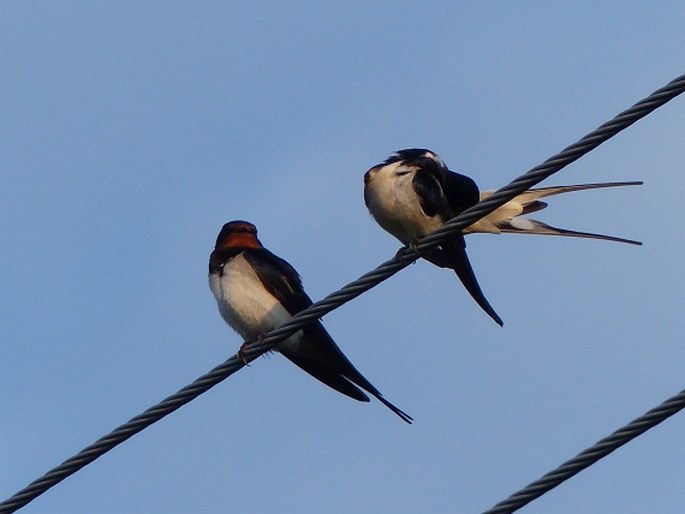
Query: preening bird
[(257, 291), (411, 194)]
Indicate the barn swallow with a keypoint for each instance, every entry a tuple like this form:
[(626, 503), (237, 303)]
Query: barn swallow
[(256, 292), (508, 218), (411, 194)]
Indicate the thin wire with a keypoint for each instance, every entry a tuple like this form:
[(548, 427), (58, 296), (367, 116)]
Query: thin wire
[(588, 457), (403, 258)]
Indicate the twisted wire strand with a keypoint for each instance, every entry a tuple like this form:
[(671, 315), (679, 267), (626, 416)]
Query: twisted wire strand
[(588, 457), (402, 259)]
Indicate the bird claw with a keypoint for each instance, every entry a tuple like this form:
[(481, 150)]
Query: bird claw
[(412, 247), (241, 353), (245, 345)]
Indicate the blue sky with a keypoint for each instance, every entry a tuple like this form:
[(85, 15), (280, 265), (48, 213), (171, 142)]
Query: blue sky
[(132, 131)]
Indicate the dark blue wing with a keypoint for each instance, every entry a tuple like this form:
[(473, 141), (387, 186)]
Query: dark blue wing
[(279, 278), (461, 191), (318, 354), (430, 193)]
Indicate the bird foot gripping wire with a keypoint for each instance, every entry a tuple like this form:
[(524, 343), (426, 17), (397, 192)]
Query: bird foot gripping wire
[(243, 347), (401, 254), (241, 353)]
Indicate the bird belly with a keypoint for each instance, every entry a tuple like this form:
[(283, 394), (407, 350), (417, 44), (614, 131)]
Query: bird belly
[(397, 209), (246, 305)]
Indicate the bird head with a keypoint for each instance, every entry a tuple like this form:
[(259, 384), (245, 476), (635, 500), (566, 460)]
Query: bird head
[(237, 234)]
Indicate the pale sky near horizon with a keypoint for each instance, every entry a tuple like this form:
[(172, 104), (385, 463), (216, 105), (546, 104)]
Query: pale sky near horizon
[(132, 131)]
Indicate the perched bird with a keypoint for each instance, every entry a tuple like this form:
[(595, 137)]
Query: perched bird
[(411, 194), (256, 292), (508, 218)]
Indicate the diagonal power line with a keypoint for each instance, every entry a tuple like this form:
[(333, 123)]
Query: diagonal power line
[(588, 457), (387, 269)]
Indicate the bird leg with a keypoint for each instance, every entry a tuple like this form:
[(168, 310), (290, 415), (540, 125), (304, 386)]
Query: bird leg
[(245, 345), (241, 353), (411, 246)]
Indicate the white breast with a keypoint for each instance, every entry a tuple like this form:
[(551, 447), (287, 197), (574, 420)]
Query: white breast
[(392, 201), (245, 304)]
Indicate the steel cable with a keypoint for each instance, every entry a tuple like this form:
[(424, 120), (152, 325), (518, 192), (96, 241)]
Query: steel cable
[(588, 457)]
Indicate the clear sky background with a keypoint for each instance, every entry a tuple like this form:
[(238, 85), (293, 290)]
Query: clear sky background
[(131, 131)]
